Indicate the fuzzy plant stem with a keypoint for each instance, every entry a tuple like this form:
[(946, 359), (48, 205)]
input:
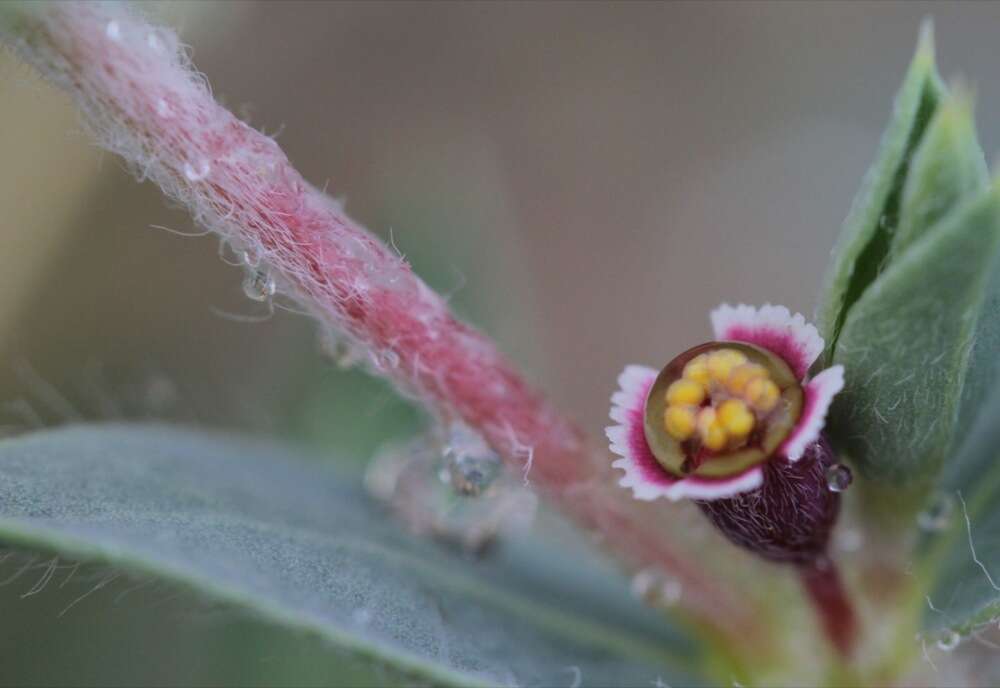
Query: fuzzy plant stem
[(826, 592), (143, 100)]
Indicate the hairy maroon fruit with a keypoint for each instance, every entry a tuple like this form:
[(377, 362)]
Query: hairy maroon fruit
[(790, 516)]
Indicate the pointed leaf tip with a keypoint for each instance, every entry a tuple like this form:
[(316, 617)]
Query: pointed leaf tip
[(863, 245), (925, 40), (947, 168)]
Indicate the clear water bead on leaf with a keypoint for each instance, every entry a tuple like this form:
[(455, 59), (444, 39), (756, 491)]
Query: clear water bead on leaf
[(259, 285), (470, 476), (838, 477), (655, 587), (937, 515), (415, 481), (948, 640), (471, 464)]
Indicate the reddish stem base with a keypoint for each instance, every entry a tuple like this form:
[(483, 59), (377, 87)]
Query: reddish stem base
[(826, 591)]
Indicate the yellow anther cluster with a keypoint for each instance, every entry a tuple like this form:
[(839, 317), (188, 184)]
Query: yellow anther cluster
[(738, 394)]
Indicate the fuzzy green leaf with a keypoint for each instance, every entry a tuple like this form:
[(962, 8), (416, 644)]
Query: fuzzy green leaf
[(906, 347), (947, 168), (962, 559), (866, 235), (245, 523)]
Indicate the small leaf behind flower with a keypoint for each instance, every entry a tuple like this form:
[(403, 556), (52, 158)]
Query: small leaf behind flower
[(906, 346), (947, 167), (866, 235)]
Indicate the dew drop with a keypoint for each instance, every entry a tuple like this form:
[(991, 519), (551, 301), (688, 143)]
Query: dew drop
[(938, 513), (339, 350), (838, 477), (655, 587), (113, 30), (163, 109), (470, 476), (471, 465), (413, 480), (385, 360), (196, 173), (250, 258), (259, 285), (154, 42), (948, 640)]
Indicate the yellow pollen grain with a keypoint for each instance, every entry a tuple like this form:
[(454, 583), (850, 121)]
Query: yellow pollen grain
[(713, 436), (681, 392), (762, 394), (679, 422), (736, 418), (742, 375), (697, 369), (722, 362)]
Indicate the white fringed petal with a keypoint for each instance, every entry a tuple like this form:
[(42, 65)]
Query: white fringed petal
[(819, 394), (773, 328), (720, 488)]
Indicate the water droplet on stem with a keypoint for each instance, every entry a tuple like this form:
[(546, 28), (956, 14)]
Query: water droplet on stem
[(154, 42), (339, 350), (838, 477), (385, 360), (259, 285), (250, 258), (197, 172)]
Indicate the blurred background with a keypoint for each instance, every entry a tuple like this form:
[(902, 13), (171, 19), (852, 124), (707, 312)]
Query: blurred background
[(585, 180)]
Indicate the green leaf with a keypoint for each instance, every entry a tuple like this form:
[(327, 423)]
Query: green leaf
[(244, 523), (961, 562), (866, 235), (907, 346), (947, 168)]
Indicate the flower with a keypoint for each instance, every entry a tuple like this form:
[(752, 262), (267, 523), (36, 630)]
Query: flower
[(717, 416)]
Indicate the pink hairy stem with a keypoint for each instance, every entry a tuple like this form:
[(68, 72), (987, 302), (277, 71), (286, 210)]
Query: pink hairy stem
[(144, 102), (825, 590)]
